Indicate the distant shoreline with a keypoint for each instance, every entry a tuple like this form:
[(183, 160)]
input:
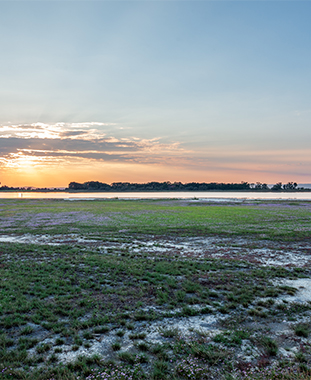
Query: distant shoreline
[(164, 187), (67, 191)]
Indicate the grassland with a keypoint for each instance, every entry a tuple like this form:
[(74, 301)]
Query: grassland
[(113, 289)]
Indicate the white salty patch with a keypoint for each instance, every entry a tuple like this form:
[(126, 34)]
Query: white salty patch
[(185, 327), (44, 239), (286, 353), (248, 351), (303, 285), (101, 345)]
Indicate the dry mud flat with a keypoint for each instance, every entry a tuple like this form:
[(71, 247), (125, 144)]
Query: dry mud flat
[(262, 252), (206, 306)]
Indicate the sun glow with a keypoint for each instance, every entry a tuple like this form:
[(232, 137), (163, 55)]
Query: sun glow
[(23, 162), (47, 155)]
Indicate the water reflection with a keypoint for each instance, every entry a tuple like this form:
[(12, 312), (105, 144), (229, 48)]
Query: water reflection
[(216, 196)]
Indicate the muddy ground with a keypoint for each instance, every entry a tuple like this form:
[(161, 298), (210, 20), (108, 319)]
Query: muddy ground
[(215, 328)]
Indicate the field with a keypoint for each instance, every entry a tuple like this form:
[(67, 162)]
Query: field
[(155, 289)]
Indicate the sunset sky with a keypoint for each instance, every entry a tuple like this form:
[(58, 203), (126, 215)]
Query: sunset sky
[(144, 91)]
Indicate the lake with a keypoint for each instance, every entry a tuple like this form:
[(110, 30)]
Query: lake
[(208, 196)]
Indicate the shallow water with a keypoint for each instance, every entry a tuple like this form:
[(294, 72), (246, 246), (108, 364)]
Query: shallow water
[(214, 196)]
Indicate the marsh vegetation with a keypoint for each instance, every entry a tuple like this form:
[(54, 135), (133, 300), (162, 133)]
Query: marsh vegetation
[(154, 290)]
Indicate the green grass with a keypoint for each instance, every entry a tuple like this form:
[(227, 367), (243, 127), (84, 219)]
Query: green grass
[(269, 345), (302, 329), (55, 299), (281, 220)]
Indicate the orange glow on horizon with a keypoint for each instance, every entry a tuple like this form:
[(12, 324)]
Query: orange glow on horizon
[(42, 155), (27, 175)]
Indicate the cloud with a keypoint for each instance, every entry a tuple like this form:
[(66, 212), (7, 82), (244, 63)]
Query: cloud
[(72, 133), (94, 146), (92, 130), (65, 142), (13, 144)]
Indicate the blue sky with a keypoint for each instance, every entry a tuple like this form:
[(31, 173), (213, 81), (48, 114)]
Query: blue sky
[(194, 90)]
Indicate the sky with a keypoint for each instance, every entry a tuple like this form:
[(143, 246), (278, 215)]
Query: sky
[(139, 91)]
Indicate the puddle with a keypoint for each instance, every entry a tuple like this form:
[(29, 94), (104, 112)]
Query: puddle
[(217, 200)]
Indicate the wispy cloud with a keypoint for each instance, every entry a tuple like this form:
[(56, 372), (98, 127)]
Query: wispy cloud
[(63, 142), (90, 130), (80, 150)]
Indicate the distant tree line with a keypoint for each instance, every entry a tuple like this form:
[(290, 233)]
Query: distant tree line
[(29, 188), (179, 186), (165, 186)]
